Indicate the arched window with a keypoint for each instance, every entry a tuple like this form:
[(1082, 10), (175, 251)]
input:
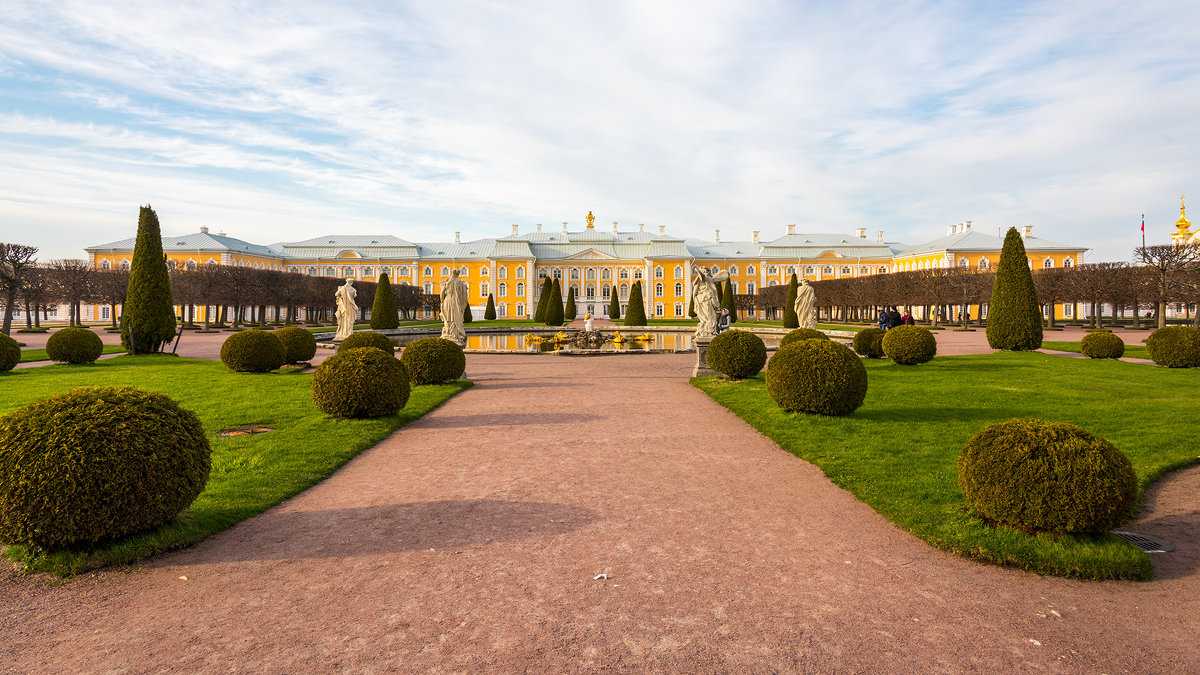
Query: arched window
[(483, 289), (714, 269), (624, 274), (330, 272), (347, 271), (678, 309), (591, 273), (191, 265), (574, 274), (732, 270), (637, 275), (1067, 262), (520, 272), (750, 288), (520, 290), (883, 269), (658, 290), (828, 269), (845, 269), (658, 272), (624, 291), (678, 271), (367, 272), (606, 291), (864, 270), (428, 288), (104, 265), (445, 271), (503, 289), (428, 271), (1048, 263), (678, 289), (810, 270), (771, 282), (964, 263), (557, 273), (502, 272), (791, 269), (749, 269), (771, 269), (658, 309), (312, 271), (983, 263), (463, 272)]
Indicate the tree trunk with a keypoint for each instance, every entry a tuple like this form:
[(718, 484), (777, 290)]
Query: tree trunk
[(1162, 314)]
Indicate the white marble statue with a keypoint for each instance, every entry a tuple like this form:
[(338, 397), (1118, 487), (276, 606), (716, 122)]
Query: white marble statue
[(347, 310), (587, 322), (454, 300), (806, 305), (706, 300)]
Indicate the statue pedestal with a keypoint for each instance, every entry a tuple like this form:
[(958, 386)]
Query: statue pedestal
[(702, 369)]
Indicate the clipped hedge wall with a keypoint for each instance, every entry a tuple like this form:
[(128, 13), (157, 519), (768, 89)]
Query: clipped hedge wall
[(368, 338), (817, 376), (10, 353), (299, 345), (1102, 346), (1040, 476), (1175, 347), (433, 360), (802, 334), (868, 342), (909, 345), (737, 354), (74, 345), (360, 382), (97, 464), (252, 351)]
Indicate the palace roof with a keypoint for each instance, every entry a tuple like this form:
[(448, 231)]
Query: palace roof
[(200, 241), (972, 240)]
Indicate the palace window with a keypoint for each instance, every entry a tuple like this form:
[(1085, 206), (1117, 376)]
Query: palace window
[(191, 265), (678, 289), (772, 270), (104, 265), (810, 270), (428, 271), (1049, 262), (402, 270), (348, 271), (732, 270), (1067, 262), (983, 263), (605, 274), (714, 269), (658, 290), (463, 272), (658, 309), (557, 273), (678, 271), (791, 269), (520, 309), (883, 269), (576, 289), (502, 310), (574, 274), (591, 273), (591, 292), (445, 271), (503, 289), (678, 309), (606, 291), (624, 274), (658, 272), (366, 271), (750, 288), (502, 272), (864, 270), (520, 272), (771, 282), (637, 275), (428, 288), (483, 289), (964, 263), (828, 269), (845, 269), (624, 291), (312, 271), (483, 271), (520, 290), (750, 269), (1068, 310)]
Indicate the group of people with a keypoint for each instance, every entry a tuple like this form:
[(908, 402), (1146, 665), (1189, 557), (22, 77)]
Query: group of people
[(890, 317)]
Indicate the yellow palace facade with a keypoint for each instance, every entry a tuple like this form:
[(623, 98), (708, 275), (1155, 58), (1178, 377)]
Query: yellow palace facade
[(595, 262)]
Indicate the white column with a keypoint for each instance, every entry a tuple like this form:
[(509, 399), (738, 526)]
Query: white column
[(529, 280)]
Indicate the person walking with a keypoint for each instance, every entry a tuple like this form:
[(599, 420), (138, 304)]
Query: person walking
[(883, 318), (723, 321), (907, 319)]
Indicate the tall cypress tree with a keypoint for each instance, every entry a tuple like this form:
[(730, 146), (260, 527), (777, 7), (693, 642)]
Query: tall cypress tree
[(614, 306), (727, 301), (790, 320), (383, 309), (554, 305), (635, 315), (467, 316), (1014, 316), (489, 312), (148, 316), (539, 315), (571, 311)]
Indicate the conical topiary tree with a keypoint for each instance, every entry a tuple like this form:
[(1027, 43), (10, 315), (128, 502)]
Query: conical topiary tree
[(614, 306), (489, 313), (554, 306), (148, 315), (383, 309), (635, 315), (571, 311), (1014, 316), (790, 320), (467, 316), (727, 301), (539, 315)]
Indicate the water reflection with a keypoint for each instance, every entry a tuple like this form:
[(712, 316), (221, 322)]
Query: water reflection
[(544, 342)]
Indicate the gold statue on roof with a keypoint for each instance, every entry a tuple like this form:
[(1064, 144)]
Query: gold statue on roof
[(591, 221), (1182, 223)]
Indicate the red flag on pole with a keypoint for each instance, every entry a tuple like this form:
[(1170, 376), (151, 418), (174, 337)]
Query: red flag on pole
[(1143, 230)]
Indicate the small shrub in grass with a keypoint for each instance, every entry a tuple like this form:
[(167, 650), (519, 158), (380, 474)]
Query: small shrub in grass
[(1102, 346), (1175, 347), (802, 334), (368, 339), (74, 345), (737, 354), (868, 342), (252, 351), (10, 353), (1040, 476), (909, 345), (817, 376), (299, 345), (97, 464), (360, 382), (433, 360)]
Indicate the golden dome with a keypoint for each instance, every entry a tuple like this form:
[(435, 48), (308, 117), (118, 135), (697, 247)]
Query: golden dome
[(1183, 225)]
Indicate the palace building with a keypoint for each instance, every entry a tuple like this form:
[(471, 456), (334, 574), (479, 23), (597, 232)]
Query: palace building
[(596, 263)]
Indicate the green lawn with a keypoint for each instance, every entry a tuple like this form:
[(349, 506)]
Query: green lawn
[(897, 452), (40, 354), (1137, 351), (250, 473)]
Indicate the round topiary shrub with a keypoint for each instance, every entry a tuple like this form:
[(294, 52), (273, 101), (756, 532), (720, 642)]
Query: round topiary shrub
[(1040, 476), (817, 376), (802, 334), (10, 353), (909, 345), (1102, 346), (74, 345), (868, 342), (1175, 347), (737, 354), (252, 351), (360, 382), (368, 338), (97, 464), (433, 360), (299, 345)]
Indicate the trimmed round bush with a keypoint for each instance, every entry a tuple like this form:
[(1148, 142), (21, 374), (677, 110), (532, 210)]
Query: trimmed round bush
[(909, 345), (1175, 347), (96, 464), (360, 382), (868, 342), (433, 360), (802, 334), (368, 338), (817, 376), (299, 345), (252, 351), (1102, 346), (74, 345), (1040, 476), (737, 354), (10, 353)]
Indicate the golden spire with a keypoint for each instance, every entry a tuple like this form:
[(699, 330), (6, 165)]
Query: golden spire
[(591, 221), (1182, 224)]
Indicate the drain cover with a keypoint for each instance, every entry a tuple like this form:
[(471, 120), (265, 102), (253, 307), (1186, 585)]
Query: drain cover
[(1144, 542), (245, 430)]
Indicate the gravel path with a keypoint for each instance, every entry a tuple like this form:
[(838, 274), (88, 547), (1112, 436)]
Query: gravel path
[(470, 541)]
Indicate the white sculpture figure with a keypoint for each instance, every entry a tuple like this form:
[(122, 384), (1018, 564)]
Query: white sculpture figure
[(587, 322), (706, 300), (347, 310), (806, 305), (454, 300)]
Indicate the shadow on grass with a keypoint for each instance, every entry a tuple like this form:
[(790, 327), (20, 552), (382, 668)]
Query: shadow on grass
[(388, 528), (938, 414)]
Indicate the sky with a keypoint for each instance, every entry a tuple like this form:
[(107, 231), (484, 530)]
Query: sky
[(285, 121)]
